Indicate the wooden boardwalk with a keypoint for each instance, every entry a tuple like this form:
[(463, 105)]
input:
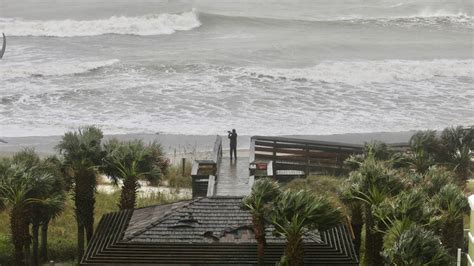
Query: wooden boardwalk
[(233, 177)]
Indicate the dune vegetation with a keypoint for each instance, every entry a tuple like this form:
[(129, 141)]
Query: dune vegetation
[(405, 208), (50, 206)]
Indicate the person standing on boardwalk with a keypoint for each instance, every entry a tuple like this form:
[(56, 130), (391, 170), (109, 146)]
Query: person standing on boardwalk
[(233, 143)]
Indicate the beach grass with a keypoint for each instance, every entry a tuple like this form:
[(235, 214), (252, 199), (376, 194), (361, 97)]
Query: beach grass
[(175, 178)]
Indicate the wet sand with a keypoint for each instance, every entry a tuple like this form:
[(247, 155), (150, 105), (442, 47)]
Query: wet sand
[(192, 146)]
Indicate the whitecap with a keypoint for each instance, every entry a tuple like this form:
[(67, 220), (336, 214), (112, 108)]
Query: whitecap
[(155, 24), (376, 71), (50, 68)]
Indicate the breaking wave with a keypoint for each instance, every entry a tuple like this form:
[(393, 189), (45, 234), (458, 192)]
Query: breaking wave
[(155, 24), (424, 17), (362, 72), (56, 68)]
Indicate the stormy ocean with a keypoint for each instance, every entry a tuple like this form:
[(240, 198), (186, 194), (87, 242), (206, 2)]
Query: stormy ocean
[(262, 66)]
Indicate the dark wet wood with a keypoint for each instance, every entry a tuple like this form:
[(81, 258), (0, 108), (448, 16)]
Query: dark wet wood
[(233, 177)]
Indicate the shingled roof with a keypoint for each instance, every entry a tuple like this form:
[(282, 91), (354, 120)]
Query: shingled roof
[(202, 231)]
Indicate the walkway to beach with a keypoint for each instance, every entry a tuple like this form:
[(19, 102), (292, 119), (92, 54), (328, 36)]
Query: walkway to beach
[(233, 177)]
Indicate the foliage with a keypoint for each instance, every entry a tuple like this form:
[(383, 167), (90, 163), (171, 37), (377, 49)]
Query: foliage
[(458, 144), (263, 192), (328, 186), (130, 162), (25, 185), (175, 178), (452, 149), (62, 238), (370, 185), (410, 244), (294, 214), (375, 149), (82, 154), (396, 200)]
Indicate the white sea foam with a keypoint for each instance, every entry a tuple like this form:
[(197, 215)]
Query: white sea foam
[(51, 68), (155, 24), (424, 13), (360, 72), (331, 97)]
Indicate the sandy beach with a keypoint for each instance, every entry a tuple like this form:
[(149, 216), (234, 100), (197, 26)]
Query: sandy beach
[(192, 146)]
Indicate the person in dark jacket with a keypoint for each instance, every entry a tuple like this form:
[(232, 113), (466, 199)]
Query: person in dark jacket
[(233, 143)]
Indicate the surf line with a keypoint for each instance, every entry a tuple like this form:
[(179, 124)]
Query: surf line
[(4, 46)]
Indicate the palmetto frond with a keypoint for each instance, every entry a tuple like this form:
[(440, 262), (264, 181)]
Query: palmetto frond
[(263, 191), (450, 202), (296, 211), (129, 162), (409, 244)]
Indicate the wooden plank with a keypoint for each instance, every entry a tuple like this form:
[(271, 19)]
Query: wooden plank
[(312, 147), (252, 151), (298, 159), (309, 142), (195, 168), (211, 186), (311, 153), (302, 167)]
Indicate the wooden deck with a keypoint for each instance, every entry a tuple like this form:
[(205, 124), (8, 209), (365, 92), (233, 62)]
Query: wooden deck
[(233, 177)]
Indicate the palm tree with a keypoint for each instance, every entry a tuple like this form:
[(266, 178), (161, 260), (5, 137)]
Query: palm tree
[(371, 185), (377, 149), (82, 155), (43, 212), (356, 213), (409, 244), (450, 207), (130, 162), (425, 148), (296, 213), (458, 144), (263, 192), (20, 186)]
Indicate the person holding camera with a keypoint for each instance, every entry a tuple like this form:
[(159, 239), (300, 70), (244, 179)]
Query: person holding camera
[(233, 143)]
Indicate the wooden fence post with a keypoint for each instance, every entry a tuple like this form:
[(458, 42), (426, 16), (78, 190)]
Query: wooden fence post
[(183, 161)]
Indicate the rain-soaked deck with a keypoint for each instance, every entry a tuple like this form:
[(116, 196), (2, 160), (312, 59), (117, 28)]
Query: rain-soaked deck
[(233, 177)]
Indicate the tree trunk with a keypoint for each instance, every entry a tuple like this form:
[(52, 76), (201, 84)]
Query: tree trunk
[(259, 231), (453, 236), (80, 241), (373, 241), (17, 227), (44, 241), (294, 251), (462, 172), (357, 223), (35, 233), (129, 193), (89, 233), (84, 198)]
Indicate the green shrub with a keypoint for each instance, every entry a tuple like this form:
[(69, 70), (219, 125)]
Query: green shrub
[(6, 250), (62, 237), (174, 176)]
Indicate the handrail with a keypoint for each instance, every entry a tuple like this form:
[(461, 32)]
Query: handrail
[(322, 143), (308, 142), (217, 150), (305, 156), (205, 172)]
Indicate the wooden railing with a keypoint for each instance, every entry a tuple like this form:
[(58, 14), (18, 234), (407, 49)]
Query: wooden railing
[(290, 157), (204, 173)]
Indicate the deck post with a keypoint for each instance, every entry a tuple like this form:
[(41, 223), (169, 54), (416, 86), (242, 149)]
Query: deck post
[(470, 254), (183, 161), (274, 167), (307, 160)]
